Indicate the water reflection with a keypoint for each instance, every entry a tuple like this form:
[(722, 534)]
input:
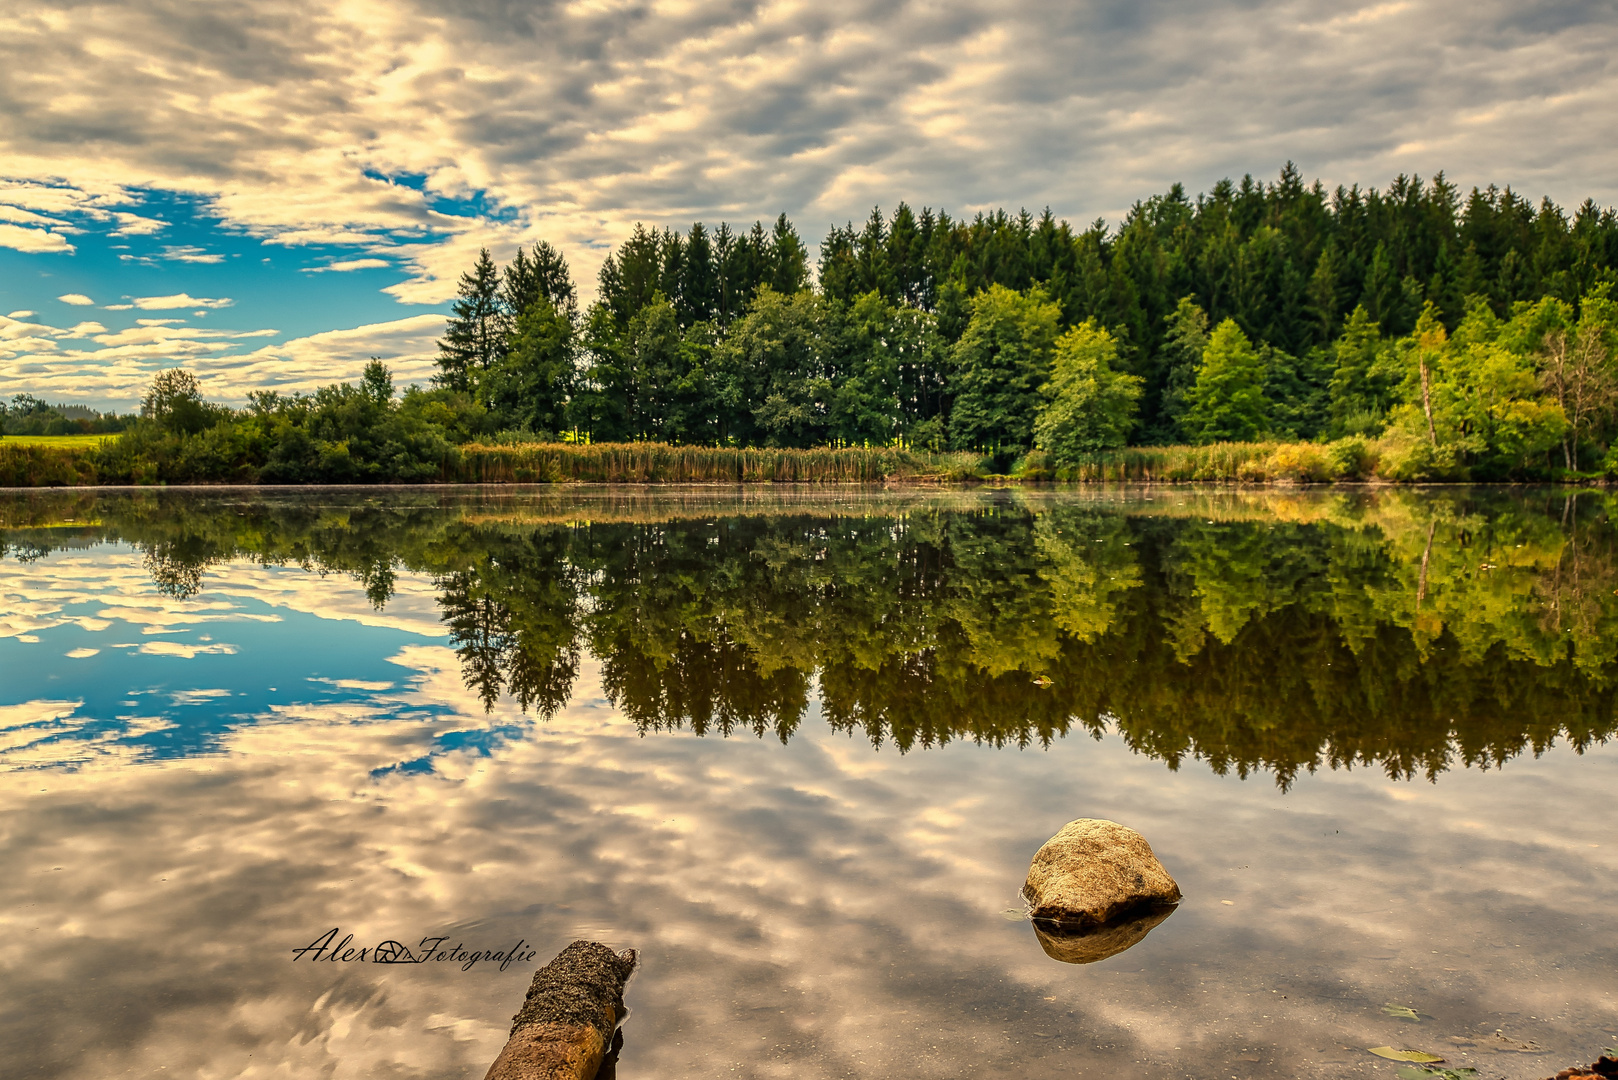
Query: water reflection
[(231, 722), (1413, 631), (1088, 944)]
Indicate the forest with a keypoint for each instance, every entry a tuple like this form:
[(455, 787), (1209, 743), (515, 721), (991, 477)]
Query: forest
[(1259, 331), (1473, 335)]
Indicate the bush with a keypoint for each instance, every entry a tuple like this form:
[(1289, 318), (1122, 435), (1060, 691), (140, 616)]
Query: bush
[(1299, 463), (1351, 459)]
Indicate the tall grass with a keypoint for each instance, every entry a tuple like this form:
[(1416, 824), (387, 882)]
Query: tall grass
[(25, 464), (1245, 462), (659, 463)]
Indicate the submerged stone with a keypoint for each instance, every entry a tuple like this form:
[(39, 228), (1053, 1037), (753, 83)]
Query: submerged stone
[(567, 1021), (1093, 872)]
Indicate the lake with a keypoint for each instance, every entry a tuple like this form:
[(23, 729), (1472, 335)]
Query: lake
[(797, 747)]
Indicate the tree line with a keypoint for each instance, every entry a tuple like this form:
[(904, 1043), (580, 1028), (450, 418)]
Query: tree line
[(1257, 310), (26, 414)]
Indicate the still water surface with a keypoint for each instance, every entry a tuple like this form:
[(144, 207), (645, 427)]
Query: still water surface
[(798, 748)]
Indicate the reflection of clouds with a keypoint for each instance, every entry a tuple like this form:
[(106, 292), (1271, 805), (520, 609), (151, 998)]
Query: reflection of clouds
[(180, 649), (800, 913), (413, 608), (50, 734), (39, 596), (812, 910)]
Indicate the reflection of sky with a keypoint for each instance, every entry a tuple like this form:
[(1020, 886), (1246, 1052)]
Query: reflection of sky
[(812, 910)]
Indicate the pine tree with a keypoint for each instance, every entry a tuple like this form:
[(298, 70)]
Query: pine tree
[(475, 336), (1177, 363), (789, 258), (544, 275)]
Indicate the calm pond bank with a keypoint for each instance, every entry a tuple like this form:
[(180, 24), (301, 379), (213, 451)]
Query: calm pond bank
[(798, 748)]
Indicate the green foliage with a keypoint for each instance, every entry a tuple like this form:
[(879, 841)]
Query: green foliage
[(174, 402), (1323, 285), (1472, 406), (1298, 390), (1363, 384), (529, 386), (889, 374), (774, 371), (1178, 360), (1090, 405), (998, 366), (1227, 402)]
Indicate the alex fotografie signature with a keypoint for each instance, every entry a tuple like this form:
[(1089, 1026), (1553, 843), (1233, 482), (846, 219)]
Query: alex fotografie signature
[(394, 952)]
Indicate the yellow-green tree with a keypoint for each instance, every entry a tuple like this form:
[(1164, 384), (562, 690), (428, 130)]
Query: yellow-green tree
[(1227, 402), (1089, 404)]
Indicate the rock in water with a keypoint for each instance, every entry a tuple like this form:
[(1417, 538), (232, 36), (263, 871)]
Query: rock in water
[(567, 1020), (1095, 871)]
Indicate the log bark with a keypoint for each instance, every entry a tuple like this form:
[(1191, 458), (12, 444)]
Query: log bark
[(566, 1023)]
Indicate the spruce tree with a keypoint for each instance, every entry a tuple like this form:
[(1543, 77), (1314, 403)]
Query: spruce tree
[(542, 276), (475, 336)]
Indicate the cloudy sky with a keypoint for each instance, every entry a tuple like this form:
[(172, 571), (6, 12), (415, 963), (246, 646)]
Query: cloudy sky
[(270, 191)]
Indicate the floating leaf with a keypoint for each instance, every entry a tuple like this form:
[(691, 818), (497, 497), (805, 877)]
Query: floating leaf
[(1402, 1012), (1404, 1055)]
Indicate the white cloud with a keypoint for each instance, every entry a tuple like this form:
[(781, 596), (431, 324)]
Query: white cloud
[(408, 346), (21, 315), (121, 363), (191, 254), (32, 240), (18, 216), (135, 225), (179, 300), (573, 121), (76, 299), (347, 265)]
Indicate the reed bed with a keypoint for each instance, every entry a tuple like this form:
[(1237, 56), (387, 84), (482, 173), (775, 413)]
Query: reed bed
[(660, 463), (1232, 462)]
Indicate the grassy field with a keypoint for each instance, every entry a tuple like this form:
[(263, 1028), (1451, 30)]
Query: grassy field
[(54, 440)]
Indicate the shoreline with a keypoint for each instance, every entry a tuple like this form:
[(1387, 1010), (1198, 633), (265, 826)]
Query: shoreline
[(1242, 466)]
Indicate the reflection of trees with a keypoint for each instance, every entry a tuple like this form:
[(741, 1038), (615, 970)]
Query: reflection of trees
[(513, 616), (1407, 630)]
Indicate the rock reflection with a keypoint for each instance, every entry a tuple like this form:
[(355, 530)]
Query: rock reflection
[(1273, 632), (1089, 942)]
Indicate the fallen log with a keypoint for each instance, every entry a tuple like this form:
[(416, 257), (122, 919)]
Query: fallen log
[(567, 1021)]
